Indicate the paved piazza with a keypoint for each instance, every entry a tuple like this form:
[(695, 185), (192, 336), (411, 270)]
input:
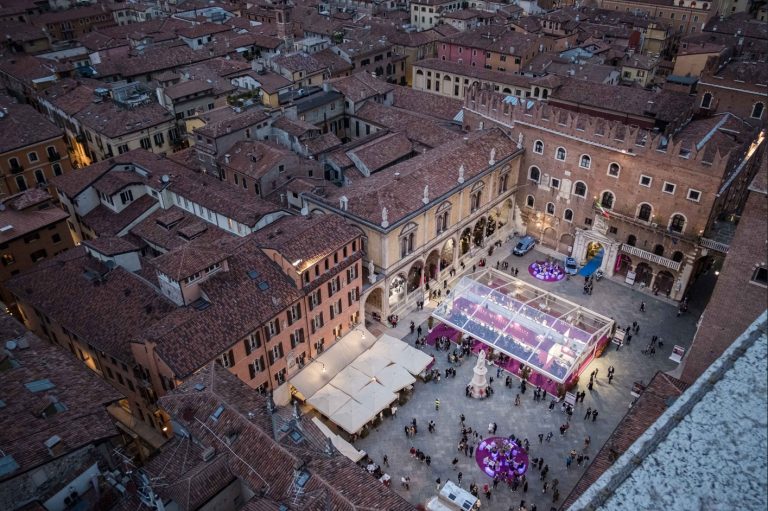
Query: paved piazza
[(610, 298)]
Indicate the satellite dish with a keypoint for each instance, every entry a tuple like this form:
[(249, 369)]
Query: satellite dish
[(10, 345), (165, 178)]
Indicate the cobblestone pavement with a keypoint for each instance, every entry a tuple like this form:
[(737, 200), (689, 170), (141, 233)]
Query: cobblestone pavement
[(611, 298)]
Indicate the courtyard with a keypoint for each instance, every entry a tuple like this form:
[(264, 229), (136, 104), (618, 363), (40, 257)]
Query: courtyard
[(531, 418)]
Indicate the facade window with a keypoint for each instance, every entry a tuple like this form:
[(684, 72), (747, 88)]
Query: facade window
[(534, 174), (568, 215), (614, 169), (550, 208), (644, 212), (38, 255), (126, 196), (560, 154), (585, 161), (669, 187), (146, 143), (677, 223), (57, 169), (538, 147), (39, 177), (475, 199), (694, 195), (706, 100), (8, 259), (15, 165), (252, 342), (631, 240), (580, 189), (159, 139), (21, 183), (554, 183), (408, 239), (607, 199), (646, 181), (530, 201), (503, 182), (443, 217), (32, 157), (757, 110), (760, 276), (294, 313)]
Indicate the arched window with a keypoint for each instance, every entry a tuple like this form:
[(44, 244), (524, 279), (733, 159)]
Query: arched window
[(585, 161), (530, 201), (677, 256), (706, 100), (538, 147), (631, 240), (614, 169), (550, 208), (677, 223), (644, 212), (476, 197), (757, 110), (658, 250), (534, 174), (39, 177), (560, 154), (544, 93), (580, 189), (535, 92), (503, 182), (21, 183), (606, 200), (408, 239), (568, 215), (443, 217)]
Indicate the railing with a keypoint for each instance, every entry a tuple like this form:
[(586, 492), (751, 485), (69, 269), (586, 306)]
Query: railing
[(54, 157), (714, 245), (16, 169), (650, 256)]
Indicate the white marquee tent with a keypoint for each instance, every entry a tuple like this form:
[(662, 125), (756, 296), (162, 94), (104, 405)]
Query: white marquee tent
[(359, 377)]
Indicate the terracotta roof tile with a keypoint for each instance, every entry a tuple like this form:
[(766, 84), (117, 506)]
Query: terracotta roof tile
[(22, 125), (111, 246), (105, 222), (168, 229), (83, 396), (422, 129)]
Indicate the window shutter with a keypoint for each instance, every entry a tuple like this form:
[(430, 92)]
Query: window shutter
[(349, 297), (231, 356), (252, 370), (277, 326), (290, 317), (271, 357), (247, 344), (280, 349)]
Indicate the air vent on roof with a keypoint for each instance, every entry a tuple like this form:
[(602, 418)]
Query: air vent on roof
[(208, 454), (217, 413), (263, 285), (199, 387), (39, 385), (6, 228), (253, 274)]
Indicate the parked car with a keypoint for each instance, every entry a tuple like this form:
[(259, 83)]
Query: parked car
[(524, 245), (571, 267)]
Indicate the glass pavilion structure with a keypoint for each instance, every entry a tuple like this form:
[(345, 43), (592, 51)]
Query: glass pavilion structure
[(553, 336)]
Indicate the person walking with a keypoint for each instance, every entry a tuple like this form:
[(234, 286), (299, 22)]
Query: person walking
[(437, 404), (588, 414), (555, 495), (455, 462), (437, 484), (549, 436), (610, 378), (495, 481), (545, 487), (385, 460), (541, 438), (568, 461), (517, 400), (587, 441), (413, 326), (642, 306), (418, 331), (458, 477), (594, 415), (461, 419)]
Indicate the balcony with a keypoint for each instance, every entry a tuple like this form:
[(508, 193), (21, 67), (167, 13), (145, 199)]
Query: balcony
[(655, 225), (17, 169), (52, 157), (717, 246), (650, 256)]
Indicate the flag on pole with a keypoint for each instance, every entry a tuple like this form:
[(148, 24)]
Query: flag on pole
[(601, 209)]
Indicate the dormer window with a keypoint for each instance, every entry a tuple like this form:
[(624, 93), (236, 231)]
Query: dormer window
[(126, 197)]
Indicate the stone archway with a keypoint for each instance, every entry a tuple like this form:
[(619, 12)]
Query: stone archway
[(490, 228), (623, 265), (549, 238), (643, 274), (664, 282), (565, 246), (415, 274), (478, 233), (397, 290), (374, 303), (447, 253), (465, 243), (432, 265)]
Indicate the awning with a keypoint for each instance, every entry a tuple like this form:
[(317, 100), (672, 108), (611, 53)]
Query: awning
[(395, 378), (352, 416), (339, 443), (328, 400), (350, 380), (370, 363)]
